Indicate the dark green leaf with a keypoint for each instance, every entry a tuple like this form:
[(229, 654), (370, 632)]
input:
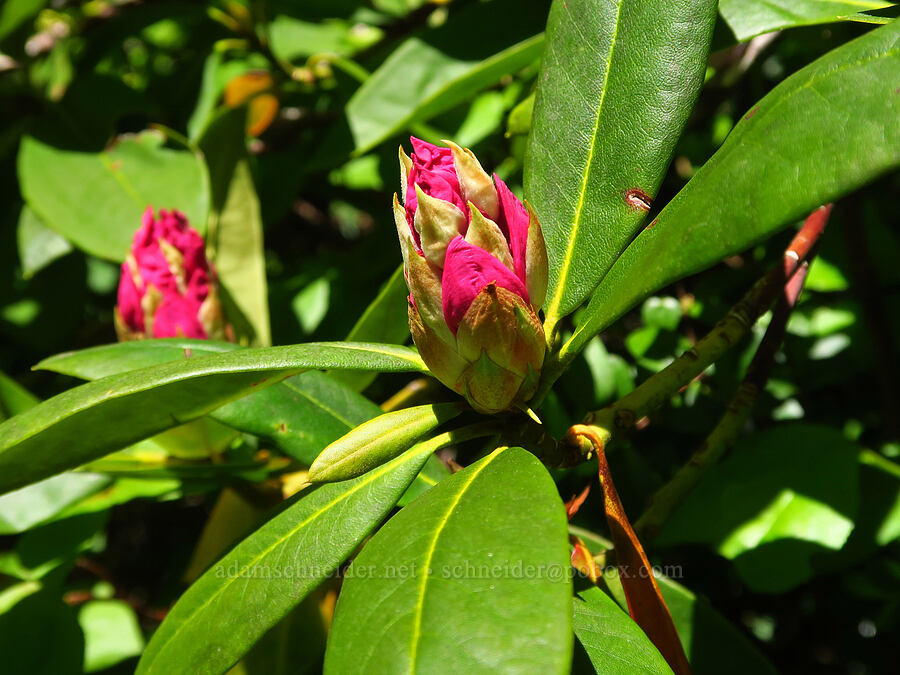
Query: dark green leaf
[(96, 418), (295, 645), (473, 575), (614, 643), (56, 649), (709, 639), (300, 415), (616, 87), (249, 590), (101, 211), (748, 18), (779, 163), (431, 73)]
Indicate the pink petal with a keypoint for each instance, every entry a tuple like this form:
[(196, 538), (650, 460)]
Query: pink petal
[(433, 171), (467, 270), (514, 224), (176, 316), (129, 301)]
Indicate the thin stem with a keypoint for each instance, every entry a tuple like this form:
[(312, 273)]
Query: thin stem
[(657, 389), (668, 498)]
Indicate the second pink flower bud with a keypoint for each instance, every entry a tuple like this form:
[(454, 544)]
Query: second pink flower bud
[(167, 287)]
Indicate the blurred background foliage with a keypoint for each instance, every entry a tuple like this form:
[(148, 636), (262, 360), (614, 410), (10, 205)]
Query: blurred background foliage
[(274, 126)]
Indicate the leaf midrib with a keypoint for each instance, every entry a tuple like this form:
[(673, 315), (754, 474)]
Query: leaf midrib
[(429, 556), (372, 476), (553, 309)]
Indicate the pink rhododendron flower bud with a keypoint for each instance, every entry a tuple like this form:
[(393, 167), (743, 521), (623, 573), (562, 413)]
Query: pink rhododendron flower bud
[(476, 267), (167, 287)]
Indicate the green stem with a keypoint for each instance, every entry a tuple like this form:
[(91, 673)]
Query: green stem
[(668, 498), (657, 389)]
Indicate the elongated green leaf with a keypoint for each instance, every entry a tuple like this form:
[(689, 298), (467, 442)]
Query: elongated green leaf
[(462, 594), (243, 595), (618, 81), (613, 642), (748, 18), (300, 415), (100, 212), (433, 71), (779, 163), (96, 418), (381, 439), (385, 320)]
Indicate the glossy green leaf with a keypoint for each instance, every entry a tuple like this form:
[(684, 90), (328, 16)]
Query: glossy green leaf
[(473, 575), (379, 440), (783, 496), (748, 18), (433, 71), (617, 84), (778, 164), (96, 418), (248, 591), (101, 211), (385, 320), (300, 415), (614, 643), (38, 244)]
